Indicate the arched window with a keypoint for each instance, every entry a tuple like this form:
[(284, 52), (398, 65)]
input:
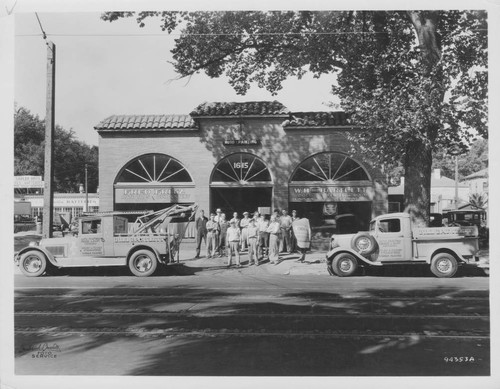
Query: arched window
[(241, 168), (329, 168), (153, 169)]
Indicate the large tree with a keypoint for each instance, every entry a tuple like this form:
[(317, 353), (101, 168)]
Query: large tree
[(413, 81), (70, 155)]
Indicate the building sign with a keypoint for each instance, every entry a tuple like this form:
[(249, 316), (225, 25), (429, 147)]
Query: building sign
[(65, 202), (302, 193), (23, 182), (242, 142), (171, 194)]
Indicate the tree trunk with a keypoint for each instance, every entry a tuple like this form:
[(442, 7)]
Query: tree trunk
[(417, 190)]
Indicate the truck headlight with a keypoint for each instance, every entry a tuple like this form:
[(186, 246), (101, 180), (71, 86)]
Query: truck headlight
[(33, 243)]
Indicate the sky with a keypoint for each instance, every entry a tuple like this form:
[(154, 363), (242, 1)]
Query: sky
[(117, 68)]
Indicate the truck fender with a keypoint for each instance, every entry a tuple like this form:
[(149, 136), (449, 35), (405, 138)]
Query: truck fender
[(332, 253), (458, 257), (47, 254), (144, 247)]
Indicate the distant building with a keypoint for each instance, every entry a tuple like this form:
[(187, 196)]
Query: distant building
[(29, 189), (442, 194), (477, 182)]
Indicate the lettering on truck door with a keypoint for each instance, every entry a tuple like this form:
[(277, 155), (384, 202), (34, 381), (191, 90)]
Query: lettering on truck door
[(90, 242), (392, 242)]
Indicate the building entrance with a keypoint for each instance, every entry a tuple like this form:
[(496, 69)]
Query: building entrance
[(240, 182), (239, 200)]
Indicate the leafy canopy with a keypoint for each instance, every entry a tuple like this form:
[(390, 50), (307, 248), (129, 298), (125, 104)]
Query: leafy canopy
[(69, 155), (388, 80)]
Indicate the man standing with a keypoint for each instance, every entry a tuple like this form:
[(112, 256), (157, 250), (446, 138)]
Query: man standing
[(201, 231), (212, 236), (293, 240), (223, 225), (302, 232), (285, 228), (263, 245), (218, 217), (252, 237), (244, 233), (274, 231), (233, 240)]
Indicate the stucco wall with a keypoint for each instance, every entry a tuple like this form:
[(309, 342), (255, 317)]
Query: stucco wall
[(199, 151)]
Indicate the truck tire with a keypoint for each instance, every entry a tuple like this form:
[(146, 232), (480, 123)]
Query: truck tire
[(33, 263), (142, 263), (444, 265), (344, 265), (364, 243)]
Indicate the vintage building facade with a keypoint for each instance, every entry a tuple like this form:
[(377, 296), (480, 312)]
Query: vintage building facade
[(239, 157)]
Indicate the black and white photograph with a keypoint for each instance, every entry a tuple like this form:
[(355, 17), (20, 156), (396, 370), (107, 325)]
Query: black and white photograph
[(241, 194)]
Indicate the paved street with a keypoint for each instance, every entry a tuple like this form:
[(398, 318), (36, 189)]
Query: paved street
[(198, 318)]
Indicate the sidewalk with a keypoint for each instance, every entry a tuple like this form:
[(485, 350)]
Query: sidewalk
[(315, 262)]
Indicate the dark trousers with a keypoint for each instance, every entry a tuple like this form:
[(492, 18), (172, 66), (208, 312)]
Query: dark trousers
[(263, 245), (200, 235)]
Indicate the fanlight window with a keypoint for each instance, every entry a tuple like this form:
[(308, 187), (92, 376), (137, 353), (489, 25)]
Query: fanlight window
[(241, 168), (330, 168), (154, 169)]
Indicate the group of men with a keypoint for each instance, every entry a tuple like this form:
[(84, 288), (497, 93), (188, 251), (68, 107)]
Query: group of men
[(263, 238)]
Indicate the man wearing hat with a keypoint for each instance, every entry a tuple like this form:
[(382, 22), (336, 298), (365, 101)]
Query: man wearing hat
[(212, 236), (233, 237), (244, 232)]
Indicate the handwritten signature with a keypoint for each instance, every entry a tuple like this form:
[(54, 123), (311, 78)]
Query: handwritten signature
[(42, 347)]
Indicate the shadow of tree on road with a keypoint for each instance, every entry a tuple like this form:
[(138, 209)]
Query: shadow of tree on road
[(192, 331)]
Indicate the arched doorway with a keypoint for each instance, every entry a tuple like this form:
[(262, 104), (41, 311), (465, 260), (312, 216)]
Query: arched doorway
[(334, 191), (152, 182), (241, 182)]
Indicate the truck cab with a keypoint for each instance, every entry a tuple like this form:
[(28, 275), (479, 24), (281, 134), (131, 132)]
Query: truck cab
[(392, 239)]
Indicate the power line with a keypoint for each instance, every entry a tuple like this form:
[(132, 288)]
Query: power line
[(41, 28), (220, 34)]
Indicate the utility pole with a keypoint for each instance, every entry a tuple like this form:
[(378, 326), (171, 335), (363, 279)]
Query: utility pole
[(48, 194), (86, 190), (456, 181)]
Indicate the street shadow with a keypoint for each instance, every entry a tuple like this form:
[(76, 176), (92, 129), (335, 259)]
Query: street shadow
[(197, 332)]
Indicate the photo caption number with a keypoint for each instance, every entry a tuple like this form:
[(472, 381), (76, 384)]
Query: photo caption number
[(459, 359)]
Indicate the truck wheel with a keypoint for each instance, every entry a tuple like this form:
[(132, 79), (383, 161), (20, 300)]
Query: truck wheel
[(444, 265), (33, 263), (142, 263), (344, 265), (364, 243)]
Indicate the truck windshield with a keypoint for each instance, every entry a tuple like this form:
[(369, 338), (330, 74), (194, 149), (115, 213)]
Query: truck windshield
[(372, 225)]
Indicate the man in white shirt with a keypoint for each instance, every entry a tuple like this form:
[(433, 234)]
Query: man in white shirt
[(233, 237)]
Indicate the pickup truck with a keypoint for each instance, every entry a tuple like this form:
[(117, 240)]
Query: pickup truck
[(109, 239), (392, 240)]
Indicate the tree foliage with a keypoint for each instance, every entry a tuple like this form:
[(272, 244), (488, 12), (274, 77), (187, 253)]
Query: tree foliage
[(414, 81), (70, 155), (472, 161)]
